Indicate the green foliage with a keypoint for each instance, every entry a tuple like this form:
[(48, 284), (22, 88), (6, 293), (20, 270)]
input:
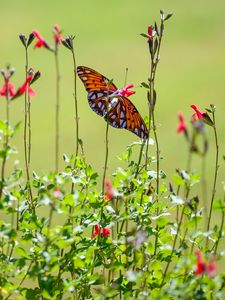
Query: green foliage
[(47, 248)]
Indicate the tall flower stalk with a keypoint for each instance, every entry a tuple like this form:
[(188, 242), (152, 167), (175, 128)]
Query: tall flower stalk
[(154, 38), (27, 115), (211, 122), (213, 109), (58, 39), (68, 43)]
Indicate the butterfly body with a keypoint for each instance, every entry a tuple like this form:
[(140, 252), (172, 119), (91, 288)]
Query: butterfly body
[(104, 99)]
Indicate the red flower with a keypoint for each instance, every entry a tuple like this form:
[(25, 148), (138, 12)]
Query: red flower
[(26, 87), (105, 231), (182, 124), (204, 267), (200, 265), (96, 231), (109, 190), (197, 112), (11, 89), (125, 90), (57, 35), (40, 41), (150, 33)]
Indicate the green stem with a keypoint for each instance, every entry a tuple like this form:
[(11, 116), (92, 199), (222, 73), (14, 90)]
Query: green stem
[(29, 131), (106, 157), (75, 102), (221, 229), (204, 188), (139, 159), (215, 174), (6, 139), (27, 124), (57, 110)]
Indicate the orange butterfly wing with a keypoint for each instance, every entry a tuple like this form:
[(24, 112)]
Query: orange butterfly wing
[(94, 81), (124, 114), (98, 88), (118, 111)]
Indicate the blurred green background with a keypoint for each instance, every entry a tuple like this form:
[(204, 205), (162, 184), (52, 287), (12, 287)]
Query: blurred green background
[(191, 70)]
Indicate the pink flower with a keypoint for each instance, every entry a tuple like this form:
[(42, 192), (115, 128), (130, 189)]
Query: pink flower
[(40, 41), (150, 33), (182, 124), (211, 269), (11, 89), (197, 112), (109, 190), (57, 193), (57, 35), (105, 231), (125, 90)]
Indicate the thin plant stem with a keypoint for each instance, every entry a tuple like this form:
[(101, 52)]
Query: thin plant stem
[(215, 173), (139, 159), (220, 230), (204, 188), (75, 102), (6, 139), (157, 152), (26, 125), (126, 73), (29, 131), (57, 110), (154, 64), (106, 156), (75, 109)]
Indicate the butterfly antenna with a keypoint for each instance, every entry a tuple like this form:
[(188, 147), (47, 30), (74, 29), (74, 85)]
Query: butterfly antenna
[(126, 73)]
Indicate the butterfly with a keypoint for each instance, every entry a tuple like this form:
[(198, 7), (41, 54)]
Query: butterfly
[(116, 109)]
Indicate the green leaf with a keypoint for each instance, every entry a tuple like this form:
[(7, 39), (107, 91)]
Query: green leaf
[(144, 35)]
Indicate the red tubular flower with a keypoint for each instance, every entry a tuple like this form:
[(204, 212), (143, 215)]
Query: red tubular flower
[(57, 35), (182, 124), (125, 90), (96, 231), (203, 267), (40, 41), (197, 111), (200, 265), (150, 33), (11, 89), (26, 86), (109, 190), (105, 231)]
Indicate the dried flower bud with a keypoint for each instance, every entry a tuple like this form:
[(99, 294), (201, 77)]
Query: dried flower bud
[(37, 75), (30, 39), (68, 42), (23, 40)]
